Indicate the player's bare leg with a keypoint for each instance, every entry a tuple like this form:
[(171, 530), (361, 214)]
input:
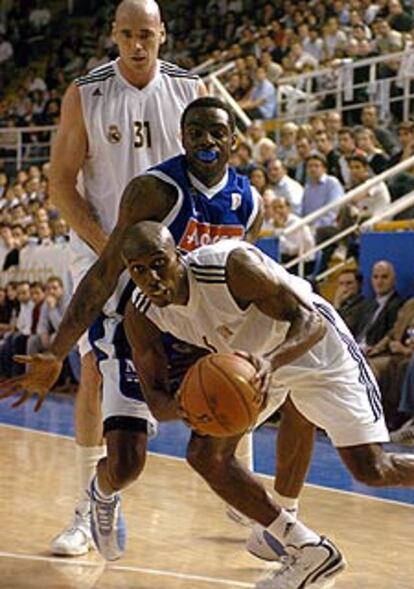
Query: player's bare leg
[(371, 465), (76, 539), (294, 452), (244, 453), (214, 459), (125, 460)]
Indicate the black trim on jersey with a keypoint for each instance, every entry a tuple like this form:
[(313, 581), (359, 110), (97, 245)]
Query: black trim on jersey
[(180, 76), (207, 266), (124, 422), (211, 280), (142, 303), (94, 80), (98, 72), (175, 68)]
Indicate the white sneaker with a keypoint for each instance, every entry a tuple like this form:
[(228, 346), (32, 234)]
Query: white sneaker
[(404, 435), (311, 565), (263, 545), (238, 517), (107, 524), (76, 539)]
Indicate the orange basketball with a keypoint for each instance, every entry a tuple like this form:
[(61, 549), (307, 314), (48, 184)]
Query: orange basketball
[(217, 396)]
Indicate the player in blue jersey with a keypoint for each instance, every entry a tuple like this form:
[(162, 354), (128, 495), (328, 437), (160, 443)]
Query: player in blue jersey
[(201, 200)]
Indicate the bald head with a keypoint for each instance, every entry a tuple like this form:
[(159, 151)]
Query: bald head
[(383, 278), (146, 238), (139, 33), (132, 7)]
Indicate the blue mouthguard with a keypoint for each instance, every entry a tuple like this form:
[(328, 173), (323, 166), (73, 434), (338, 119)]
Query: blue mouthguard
[(205, 155)]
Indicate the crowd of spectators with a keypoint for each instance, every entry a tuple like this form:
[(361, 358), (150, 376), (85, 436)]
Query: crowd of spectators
[(383, 326), (302, 167)]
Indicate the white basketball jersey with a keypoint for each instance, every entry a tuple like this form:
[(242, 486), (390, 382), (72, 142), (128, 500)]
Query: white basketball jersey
[(212, 319), (128, 130)]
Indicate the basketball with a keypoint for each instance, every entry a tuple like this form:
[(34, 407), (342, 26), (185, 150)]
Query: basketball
[(217, 396)]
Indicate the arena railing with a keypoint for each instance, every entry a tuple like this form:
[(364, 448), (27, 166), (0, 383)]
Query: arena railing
[(397, 206), (21, 146), (332, 88)]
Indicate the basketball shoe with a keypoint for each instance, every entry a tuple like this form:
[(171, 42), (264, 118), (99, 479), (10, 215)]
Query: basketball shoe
[(76, 539), (265, 546), (404, 435), (311, 565), (107, 524)]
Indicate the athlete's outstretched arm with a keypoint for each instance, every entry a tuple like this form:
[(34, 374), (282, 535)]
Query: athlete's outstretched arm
[(151, 363), (145, 198), (69, 150), (251, 282)]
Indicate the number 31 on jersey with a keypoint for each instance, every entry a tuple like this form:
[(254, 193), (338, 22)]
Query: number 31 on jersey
[(142, 134)]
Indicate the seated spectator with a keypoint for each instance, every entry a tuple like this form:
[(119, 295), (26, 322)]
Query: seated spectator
[(285, 186), (20, 240), (348, 299), (369, 119), (347, 148), (39, 17), (267, 151), (406, 140), (258, 178), (255, 133), (389, 358), (387, 40), (44, 232), (334, 38), (15, 342), (313, 44), (375, 199), (303, 151), (286, 151), (53, 309), (60, 231), (298, 60), (245, 163), (325, 147), (379, 313), (296, 243), (261, 101), (320, 190), (399, 19), (268, 226), (273, 70), (368, 143)]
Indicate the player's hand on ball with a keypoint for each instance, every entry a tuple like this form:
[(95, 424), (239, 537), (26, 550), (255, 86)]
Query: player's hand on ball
[(261, 379), (43, 371)]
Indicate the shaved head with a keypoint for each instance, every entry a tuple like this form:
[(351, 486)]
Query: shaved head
[(146, 237), (149, 7)]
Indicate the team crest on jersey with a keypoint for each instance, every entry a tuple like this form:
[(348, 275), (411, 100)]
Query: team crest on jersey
[(236, 199), (197, 233), (114, 135)]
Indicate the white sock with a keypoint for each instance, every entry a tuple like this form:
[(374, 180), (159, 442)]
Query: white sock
[(101, 494), (288, 503), (87, 457), (288, 530)]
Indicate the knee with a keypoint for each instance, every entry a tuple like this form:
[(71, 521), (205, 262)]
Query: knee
[(208, 464), (125, 464), (372, 472)]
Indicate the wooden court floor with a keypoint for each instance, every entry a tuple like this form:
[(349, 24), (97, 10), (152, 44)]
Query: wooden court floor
[(178, 535)]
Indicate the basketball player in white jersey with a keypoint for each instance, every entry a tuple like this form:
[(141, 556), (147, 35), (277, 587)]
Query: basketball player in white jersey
[(116, 122), (236, 298)]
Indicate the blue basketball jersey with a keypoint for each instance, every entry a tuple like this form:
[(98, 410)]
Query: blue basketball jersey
[(202, 215)]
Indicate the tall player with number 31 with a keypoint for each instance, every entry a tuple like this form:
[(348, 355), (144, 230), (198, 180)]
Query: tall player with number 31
[(116, 122)]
